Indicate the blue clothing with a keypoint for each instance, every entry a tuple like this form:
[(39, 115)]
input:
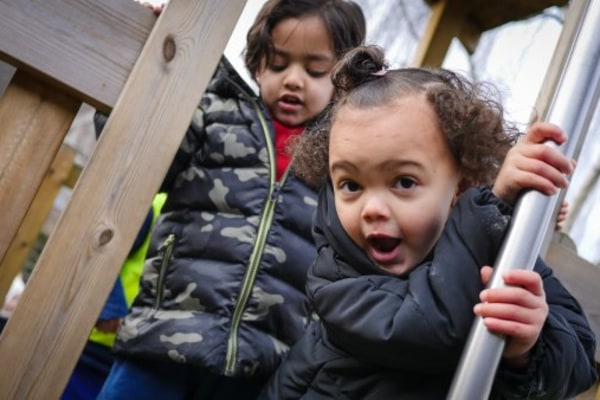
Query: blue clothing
[(90, 372), (132, 379), (116, 306)]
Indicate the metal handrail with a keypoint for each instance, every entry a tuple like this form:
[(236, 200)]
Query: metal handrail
[(571, 108)]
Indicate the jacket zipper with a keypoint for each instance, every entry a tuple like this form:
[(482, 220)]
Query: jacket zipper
[(254, 262), (167, 250)]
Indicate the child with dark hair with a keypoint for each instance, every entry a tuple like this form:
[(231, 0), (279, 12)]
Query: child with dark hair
[(419, 173), (222, 293)]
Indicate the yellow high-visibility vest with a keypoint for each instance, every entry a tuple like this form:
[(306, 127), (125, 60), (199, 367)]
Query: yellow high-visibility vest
[(130, 274)]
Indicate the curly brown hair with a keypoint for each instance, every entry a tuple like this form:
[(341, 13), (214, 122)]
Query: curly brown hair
[(469, 117)]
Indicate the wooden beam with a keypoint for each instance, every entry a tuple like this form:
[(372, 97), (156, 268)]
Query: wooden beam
[(446, 22), (86, 47), (42, 204), (469, 36), (579, 276), (34, 119), (83, 256)]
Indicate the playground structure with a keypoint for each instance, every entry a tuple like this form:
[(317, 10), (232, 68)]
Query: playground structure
[(115, 55)]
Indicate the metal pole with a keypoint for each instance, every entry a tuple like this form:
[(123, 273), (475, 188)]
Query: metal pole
[(572, 108)]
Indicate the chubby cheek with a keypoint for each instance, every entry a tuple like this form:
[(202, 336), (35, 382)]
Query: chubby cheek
[(423, 229), (350, 220), (320, 98), (266, 94)]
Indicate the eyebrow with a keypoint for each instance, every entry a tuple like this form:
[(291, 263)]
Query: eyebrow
[(344, 166), (310, 56), (390, 164)]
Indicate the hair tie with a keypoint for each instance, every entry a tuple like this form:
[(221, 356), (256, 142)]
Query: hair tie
[(381, 72)]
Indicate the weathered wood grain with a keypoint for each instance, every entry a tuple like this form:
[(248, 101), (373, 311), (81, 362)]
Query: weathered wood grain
[(83, 256), (40, 208), (579, 276), (86, 47), (34, 119)]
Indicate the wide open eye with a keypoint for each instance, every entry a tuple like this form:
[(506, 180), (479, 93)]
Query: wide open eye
[(405, 182), (349, 186)]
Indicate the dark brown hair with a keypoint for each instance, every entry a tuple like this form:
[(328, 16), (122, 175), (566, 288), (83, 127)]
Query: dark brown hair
[(469, 117), (343, 19)]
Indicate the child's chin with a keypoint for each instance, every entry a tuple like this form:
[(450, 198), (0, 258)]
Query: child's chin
[(396, 269), (289, 119)]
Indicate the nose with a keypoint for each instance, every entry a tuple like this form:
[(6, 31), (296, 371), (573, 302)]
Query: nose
[(375, 207), (294, 78)]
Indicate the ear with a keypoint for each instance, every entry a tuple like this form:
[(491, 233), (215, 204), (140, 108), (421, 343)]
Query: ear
[(454, 199), (461, 186), (257, 76)]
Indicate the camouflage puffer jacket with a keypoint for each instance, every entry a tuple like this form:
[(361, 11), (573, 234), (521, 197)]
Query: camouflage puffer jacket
[(223, 283)]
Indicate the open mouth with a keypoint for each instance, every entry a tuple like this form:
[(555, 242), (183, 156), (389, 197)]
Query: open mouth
[(383, 250), (290, 100), (383, 244)]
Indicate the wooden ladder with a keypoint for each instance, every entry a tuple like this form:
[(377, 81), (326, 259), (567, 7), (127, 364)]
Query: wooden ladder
[(149, 73)]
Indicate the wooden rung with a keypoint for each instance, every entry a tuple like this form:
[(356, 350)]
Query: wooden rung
[(86, 48)]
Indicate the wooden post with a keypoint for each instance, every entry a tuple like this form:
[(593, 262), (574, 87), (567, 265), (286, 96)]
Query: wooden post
[(34, 119), (445, 23), (37, 214)]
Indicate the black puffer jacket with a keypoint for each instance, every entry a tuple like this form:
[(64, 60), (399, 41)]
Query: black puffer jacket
[(223, 284), (389, 337)]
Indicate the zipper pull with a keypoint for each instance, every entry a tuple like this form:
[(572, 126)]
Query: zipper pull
[(167, 243)]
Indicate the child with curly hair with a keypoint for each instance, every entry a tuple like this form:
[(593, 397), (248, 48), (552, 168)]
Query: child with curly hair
[(419, 173)]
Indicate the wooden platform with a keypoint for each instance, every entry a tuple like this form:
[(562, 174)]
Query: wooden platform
[(579, 276), (485, 14)]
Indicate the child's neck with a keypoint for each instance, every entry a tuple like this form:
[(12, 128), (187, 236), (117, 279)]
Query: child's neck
[(282, 135)]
